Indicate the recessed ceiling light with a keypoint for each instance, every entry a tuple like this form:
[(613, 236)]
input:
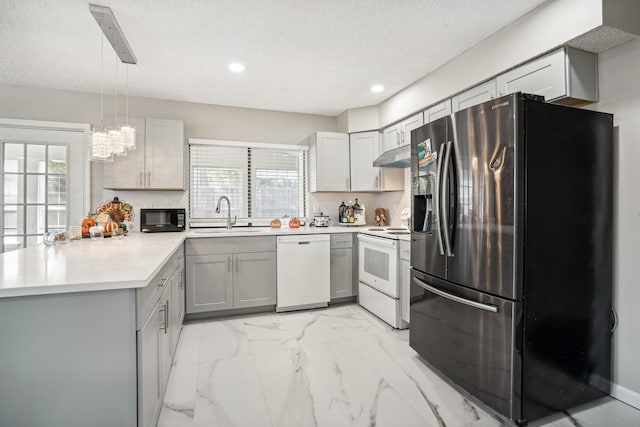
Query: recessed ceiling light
[(236, 67), (377, 88)]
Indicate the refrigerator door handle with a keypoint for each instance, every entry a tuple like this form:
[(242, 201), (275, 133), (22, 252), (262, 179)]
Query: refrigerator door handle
[(436, 199), (455, 298), (444, 206)]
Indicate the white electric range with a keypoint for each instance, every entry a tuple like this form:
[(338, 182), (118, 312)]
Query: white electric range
[(380, 284)]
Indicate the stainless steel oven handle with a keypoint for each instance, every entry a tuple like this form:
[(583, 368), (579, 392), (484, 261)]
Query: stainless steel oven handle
[(445, 199), (475, 304), (436, 199)]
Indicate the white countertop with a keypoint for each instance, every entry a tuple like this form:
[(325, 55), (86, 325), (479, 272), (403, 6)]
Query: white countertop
[(86, 265), (110, 264)]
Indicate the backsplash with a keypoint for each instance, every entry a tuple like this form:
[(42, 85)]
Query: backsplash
[(391, 201)]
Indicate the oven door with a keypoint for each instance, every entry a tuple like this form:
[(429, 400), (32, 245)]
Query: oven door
[(378, 264), (470, 337)]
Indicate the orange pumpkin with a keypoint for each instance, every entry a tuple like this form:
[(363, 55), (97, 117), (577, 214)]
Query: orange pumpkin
[(87, 223), (110, 226), (294, 223)]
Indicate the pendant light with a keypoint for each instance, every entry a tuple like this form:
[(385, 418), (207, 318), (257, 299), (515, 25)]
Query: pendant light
[(115, 137), (106, 143), (128, 132), (99, 143)]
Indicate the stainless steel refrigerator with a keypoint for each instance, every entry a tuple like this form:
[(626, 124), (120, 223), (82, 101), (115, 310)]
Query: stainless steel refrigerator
[(511, 253)]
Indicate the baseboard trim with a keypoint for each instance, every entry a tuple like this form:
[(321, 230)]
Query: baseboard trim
[(626, 395)]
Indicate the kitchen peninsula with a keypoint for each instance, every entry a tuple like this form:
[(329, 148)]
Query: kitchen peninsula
[(94, 339)]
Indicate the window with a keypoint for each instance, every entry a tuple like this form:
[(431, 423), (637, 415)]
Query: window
[(262, 181), (43, 180)]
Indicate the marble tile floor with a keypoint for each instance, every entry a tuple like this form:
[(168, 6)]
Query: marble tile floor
[(332, 367)]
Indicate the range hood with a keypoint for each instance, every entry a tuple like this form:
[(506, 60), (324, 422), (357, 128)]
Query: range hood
[(397, 158)]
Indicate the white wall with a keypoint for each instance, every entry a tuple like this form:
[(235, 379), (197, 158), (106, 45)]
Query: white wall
[(201, 121), (620, 95)]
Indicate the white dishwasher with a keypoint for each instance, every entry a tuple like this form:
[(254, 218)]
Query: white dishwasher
[(303, 272)]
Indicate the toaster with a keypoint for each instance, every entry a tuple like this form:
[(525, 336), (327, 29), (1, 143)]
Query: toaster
[(321, 221)]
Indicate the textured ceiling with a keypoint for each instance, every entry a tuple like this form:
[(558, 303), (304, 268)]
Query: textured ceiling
[(318, 56)]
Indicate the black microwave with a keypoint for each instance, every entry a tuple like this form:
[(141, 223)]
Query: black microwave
[(162, 220)]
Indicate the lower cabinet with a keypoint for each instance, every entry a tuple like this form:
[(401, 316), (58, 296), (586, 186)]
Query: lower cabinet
[(254, 279), (234, 272), (209, 283), (157, 341), (342, 267)]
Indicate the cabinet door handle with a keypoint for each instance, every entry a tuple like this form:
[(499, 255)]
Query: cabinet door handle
[(229, 263), (377, 182), (346, 183), (236, 264), (163, 281), (163, 310), (141, 184), (149, 179), (402, 137), (397, 138), (166, 317)]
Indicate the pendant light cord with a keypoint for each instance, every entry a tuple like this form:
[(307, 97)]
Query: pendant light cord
[(127, 102), (116, 93), (102, 82)]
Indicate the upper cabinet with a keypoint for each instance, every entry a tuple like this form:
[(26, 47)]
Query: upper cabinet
[(476, 95), (566, 76), (157, 163), (364, 149), (437, 111), (329, 162), (399, 134), (343, 162)]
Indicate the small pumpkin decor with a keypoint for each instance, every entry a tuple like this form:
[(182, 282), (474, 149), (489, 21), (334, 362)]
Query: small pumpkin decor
[(110, 226), (109, 216), (294, 223), (87, 223), (275, 223)]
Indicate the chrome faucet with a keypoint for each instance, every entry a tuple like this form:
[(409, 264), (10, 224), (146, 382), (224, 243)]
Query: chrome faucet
[(235, 218)]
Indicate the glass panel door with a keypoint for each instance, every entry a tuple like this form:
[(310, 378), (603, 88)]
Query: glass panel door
[(34, 192)]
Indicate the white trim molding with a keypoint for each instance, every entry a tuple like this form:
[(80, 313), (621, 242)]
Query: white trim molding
[(625, 395)]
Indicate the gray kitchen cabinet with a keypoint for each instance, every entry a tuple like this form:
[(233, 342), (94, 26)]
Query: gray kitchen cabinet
[(148, 370), (176, 312), (157, 163), (254, 279), (437, 111), (342, 266), (399, 134), (329, 162), (209, 283), (158, 337), (566, 76), (364, 148), (483, 92), (391, 137), (230, 272)]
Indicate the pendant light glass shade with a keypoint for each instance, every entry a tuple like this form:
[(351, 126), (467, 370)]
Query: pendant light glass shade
[(128, 135), (100, 147), (117, 145)]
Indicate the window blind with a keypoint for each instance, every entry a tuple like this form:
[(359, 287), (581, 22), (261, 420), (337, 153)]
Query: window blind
[(262, 181)]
